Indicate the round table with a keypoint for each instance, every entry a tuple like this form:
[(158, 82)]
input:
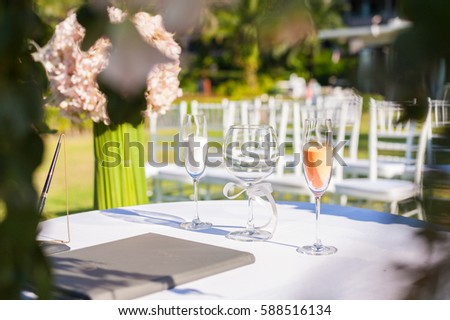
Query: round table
[(377, 252)]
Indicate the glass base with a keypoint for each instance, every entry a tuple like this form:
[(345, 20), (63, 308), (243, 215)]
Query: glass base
[(196, 225), (249, 235), (317, 250)]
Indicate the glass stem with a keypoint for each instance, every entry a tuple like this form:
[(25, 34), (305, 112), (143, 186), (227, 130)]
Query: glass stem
[(250, 222), (318, 243), (196, 218)]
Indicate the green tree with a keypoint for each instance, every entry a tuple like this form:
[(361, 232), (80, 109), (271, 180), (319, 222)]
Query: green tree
[(239, 28), (419, 50), (251, 33), (247, 35)]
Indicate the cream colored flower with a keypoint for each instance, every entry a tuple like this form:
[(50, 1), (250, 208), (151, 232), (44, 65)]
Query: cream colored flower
[(116, 15), (73, 73), (162, 81)]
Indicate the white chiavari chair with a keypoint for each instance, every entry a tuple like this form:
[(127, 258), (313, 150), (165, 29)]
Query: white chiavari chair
[(386, 128), (438, 150), (395, 151)]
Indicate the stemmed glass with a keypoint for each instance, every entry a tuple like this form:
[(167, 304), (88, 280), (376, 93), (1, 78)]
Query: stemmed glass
[(317, 166), (250, 153), (195, 138)]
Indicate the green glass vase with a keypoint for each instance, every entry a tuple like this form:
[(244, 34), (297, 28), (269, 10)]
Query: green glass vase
[(119, 166)]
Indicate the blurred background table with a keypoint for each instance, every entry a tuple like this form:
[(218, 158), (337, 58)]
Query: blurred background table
[(380, 255)]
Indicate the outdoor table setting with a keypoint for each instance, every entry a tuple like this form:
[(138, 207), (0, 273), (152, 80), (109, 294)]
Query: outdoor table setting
[(376, 251), (261, 152), (204, 250)]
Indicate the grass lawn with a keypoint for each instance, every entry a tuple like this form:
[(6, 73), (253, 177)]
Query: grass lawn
[(80, 174)]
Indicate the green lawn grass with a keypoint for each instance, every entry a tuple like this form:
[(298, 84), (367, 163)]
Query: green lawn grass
[(79, 161)]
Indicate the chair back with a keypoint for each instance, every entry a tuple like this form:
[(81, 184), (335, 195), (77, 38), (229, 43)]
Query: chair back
[(219, 117), (394, 138), (257, 111), (353, 124), (353, 104), (422, 145), (439, 122), (337, 112), (164, 127), (440, 113), (291, 133), (290, 138)]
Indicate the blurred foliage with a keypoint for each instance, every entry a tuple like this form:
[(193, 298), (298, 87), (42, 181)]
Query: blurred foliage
[(418, 52), (324, 67), (419, 49), (53, 12), (22, 82), (54, 120), (242, 42)]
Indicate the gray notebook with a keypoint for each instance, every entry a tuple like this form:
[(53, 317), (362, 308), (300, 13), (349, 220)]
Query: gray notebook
[(137, 266)]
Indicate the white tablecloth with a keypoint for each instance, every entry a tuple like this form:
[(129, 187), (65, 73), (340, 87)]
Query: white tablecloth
[(371, 245)]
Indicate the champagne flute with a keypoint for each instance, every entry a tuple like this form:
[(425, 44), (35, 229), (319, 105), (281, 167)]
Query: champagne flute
[(250, 153), (317, 166), (195, 138)]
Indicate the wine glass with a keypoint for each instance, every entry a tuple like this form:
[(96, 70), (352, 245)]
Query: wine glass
[(250, 153), (317, 166), (195, 139)]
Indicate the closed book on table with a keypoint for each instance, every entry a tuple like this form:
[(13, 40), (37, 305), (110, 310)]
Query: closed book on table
[(138, 266)]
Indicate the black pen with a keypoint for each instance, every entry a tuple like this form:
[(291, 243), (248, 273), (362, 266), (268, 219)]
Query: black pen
[(49, 178)]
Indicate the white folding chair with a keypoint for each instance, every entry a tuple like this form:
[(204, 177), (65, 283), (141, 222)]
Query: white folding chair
[(438, 151), (396, 147), (353, 104), (437, 169), (219, 116), (287, 178), (160, 168), (385, 123), (257, 111)]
